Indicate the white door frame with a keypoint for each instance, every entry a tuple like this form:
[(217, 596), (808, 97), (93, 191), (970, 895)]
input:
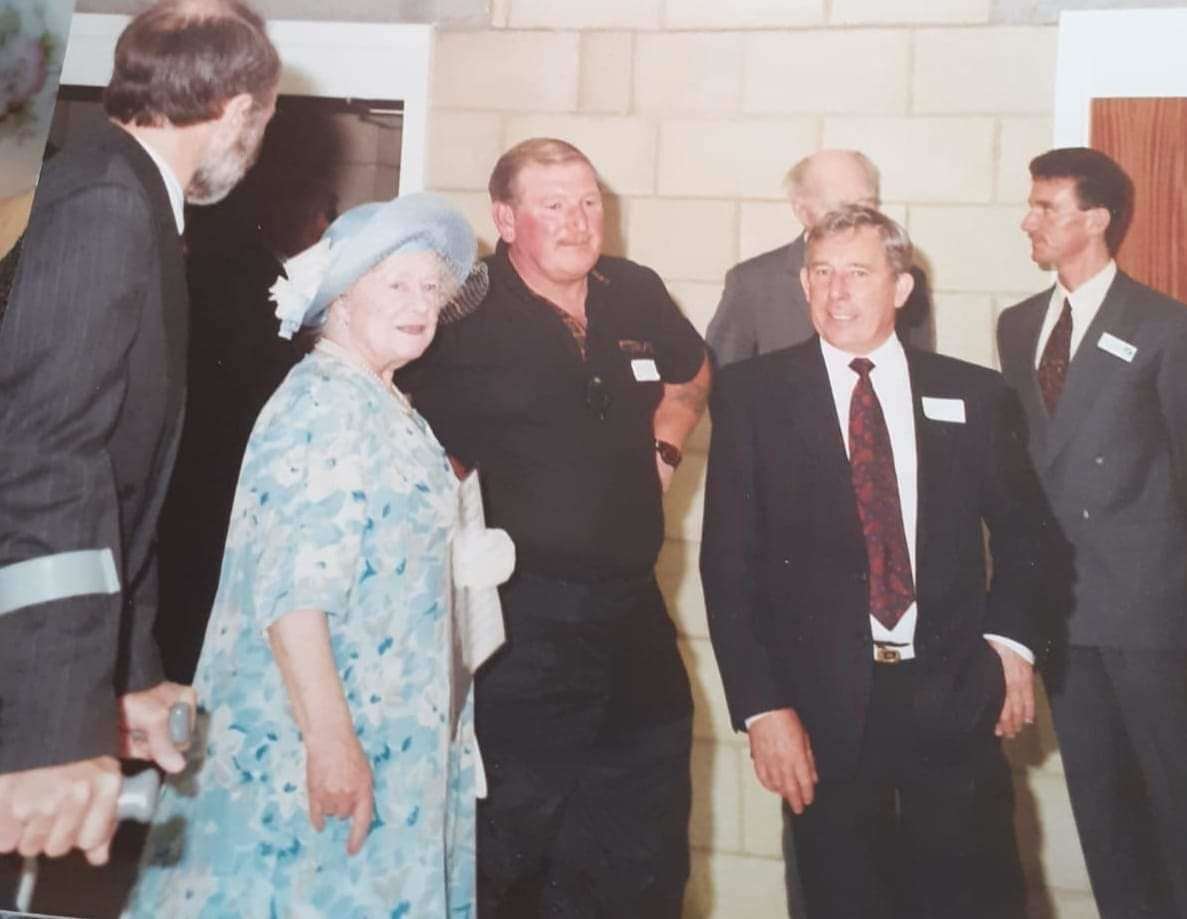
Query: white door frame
[(1115, 53), (352, 60)]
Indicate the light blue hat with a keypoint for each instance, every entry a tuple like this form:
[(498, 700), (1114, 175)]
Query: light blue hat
[(359, 240)]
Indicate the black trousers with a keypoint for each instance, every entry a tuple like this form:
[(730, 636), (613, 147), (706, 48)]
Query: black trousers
[(906, 838), (1121, 719), (584, 720)]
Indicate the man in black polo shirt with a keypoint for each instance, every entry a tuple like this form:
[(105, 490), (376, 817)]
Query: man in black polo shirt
[(572, 389)]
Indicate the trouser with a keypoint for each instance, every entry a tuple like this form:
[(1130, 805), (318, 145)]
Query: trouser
[(584, 720), (906, 838), (1121, 719)]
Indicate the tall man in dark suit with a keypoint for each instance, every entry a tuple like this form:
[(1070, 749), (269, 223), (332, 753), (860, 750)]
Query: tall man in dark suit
[(763, 307), (92, 371), (845, 577), (1100, 363)]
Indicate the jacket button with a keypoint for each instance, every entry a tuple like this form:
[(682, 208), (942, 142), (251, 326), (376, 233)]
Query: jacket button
[(1099, 460), (1085, 513)]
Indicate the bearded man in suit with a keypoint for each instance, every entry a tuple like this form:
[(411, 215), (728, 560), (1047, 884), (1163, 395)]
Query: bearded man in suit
[(92, 367), (1100, 364), (845, 577)]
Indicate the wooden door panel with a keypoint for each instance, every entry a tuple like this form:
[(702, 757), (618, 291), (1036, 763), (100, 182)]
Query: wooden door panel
[(1148, 137)]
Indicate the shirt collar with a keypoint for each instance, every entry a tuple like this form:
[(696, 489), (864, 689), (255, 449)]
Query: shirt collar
[(888, 355), (501, 262), (172, 185), (1088, 297)]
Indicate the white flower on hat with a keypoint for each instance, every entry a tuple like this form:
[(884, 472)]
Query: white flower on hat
[(294, 294)]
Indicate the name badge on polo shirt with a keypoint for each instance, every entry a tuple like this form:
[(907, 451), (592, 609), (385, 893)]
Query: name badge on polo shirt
[(937, 409), (1117, 347), (642, 357), (645, 370)]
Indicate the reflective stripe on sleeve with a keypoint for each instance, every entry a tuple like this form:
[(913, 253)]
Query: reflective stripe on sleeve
[(57, 577)]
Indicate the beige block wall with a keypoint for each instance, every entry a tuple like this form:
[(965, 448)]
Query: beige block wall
[(693, 110)]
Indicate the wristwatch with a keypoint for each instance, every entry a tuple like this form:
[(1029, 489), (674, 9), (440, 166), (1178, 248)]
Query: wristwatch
[(669, 453)]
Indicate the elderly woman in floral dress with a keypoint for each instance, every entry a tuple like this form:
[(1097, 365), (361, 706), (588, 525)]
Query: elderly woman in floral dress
[(338, 769)]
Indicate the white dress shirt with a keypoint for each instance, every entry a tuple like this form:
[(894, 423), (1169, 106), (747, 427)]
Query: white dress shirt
[(892, 384), (172, 185), (1085, 300)]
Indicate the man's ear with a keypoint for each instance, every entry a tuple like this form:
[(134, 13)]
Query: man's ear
[(1099, 219), (903, 285), (804, 283), (236, 109), (503, 215)]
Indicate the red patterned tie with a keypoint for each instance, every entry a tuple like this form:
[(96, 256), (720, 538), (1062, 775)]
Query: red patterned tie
[(1056, 355), (892, 588)]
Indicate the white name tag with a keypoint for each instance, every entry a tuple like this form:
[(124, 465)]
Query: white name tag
[(645, 370), (1117, 347), (943, 409)]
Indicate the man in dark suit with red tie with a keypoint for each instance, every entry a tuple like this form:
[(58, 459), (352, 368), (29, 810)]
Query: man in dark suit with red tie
[(1100, 364), (845, 575)]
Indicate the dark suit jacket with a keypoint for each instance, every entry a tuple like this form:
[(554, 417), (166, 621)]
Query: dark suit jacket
[(763, 308), (784, 566), (1113, 462), (92, 387)]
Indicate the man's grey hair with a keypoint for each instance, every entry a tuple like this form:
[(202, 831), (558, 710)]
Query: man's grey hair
[(895, 241), (797, 175)]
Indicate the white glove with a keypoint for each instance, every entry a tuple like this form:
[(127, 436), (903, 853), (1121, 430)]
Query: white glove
[(482, 557)]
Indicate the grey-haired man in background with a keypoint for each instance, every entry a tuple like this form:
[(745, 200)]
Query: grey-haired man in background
[(763, 307)]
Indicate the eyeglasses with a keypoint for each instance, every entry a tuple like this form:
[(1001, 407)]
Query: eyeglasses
[(598, 397)]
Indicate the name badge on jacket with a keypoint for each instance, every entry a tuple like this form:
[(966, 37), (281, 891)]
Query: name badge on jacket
[(937, 409), (1117, 347)]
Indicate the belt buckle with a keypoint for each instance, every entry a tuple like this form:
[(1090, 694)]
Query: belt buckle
[(887, 655)]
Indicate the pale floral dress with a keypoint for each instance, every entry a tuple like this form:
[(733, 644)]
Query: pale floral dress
[(345, 503)]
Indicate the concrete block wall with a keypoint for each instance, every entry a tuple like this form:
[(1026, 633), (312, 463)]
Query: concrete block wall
[(693, 110)]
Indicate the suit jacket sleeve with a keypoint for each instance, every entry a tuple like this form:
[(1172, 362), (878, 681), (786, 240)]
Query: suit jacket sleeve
[(729, 564), (138, 663), (1172, 398), (731, 335), (1015, 514), (73, 316)]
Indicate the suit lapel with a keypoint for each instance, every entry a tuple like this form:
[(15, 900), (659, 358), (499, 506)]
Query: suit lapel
[(1029, 326), (817, 440), (934, 452), (1091, 369), (812, 401)]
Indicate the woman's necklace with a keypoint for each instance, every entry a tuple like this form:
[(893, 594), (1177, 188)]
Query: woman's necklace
[(332, 348)]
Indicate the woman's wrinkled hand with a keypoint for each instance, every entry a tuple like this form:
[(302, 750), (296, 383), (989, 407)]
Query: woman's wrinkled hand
[(339, 780)]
